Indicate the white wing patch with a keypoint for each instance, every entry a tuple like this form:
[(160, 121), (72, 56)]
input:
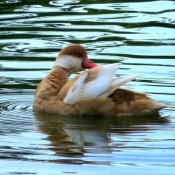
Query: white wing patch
[(74, 93), (118, 82), (94, 88), (96, 82), (101, 83), (82, 90), (124, 79)]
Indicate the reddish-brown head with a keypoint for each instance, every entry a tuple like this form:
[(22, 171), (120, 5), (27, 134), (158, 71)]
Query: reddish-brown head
[(74, 57)]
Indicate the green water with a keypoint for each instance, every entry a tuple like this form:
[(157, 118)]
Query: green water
[(140, 35)]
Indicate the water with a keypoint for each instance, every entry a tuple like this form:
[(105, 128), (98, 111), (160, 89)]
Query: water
[(140, 35)]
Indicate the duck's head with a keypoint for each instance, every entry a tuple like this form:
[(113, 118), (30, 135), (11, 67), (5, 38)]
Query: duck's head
[(74, 57)]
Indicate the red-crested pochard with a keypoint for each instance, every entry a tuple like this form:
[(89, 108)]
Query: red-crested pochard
[(92, 92)]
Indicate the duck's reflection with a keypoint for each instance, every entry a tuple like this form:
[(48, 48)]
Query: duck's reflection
[(82, 139)]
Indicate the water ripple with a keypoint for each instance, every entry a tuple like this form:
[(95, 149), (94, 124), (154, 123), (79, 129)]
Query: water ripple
[(140, 35)]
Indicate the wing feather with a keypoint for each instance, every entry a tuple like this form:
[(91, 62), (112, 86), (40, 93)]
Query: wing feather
[(118, 82), (101, 83), (73, 95), (91, 84)]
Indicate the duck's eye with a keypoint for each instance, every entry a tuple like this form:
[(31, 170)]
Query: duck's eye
[(76, 54)]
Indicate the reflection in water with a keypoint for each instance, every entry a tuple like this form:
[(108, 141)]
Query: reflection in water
[(77, 138)]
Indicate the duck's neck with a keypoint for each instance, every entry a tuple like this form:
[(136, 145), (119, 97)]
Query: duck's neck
[(57, 78), (62, 71), (50, 86)]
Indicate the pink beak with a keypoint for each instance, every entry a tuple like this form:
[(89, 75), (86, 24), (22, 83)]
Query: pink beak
[(87, 64)]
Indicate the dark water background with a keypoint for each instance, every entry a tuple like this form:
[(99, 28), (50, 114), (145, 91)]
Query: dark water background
[(138, 34)]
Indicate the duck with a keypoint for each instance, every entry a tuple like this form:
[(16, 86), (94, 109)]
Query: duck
[(93, 91)]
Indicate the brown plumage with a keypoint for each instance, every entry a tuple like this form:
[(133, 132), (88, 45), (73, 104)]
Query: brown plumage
[(55, 94)]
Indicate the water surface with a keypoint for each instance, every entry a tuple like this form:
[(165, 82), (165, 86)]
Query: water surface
[(140, 35)]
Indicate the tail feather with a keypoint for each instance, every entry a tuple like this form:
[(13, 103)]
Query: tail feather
[(161, 105), (155, 109)]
